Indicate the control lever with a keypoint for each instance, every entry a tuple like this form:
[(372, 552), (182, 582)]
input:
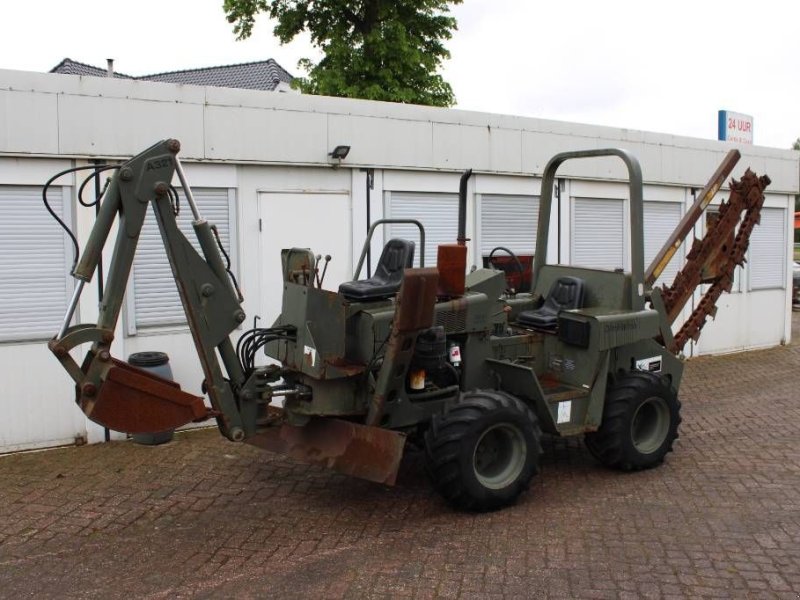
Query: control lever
[(324, 270), (317, 258)]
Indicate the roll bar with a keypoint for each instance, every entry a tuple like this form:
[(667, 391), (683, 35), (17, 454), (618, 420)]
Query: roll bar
[(637, 222), (372, 229)]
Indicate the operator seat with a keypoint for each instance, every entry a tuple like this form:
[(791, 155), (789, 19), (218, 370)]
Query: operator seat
[(397, 256), (565, 294)]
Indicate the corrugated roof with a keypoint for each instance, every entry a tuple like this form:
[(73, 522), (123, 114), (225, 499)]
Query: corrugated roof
[(261, 75)]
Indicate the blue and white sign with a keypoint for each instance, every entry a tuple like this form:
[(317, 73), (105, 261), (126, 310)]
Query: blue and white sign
[(735, 127)]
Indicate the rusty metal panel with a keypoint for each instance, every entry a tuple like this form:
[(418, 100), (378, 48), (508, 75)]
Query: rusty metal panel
[(370, 453), (452, 264), (416, 299), (414, 312)]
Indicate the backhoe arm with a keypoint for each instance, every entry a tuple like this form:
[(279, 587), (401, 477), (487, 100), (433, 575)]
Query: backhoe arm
[(113, 393)]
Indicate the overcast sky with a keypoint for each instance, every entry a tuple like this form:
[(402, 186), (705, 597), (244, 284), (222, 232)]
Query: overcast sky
[(665, 66)]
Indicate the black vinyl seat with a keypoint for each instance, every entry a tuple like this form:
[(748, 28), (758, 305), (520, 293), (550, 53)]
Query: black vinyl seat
[(397, 256), (565, 294)]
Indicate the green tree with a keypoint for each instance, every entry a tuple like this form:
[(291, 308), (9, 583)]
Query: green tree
[(796, 145), (374, 49)]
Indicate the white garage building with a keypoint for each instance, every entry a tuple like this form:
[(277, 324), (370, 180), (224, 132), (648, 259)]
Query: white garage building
[(259, 166)]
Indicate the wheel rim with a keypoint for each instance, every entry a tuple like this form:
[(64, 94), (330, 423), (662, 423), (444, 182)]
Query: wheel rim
[(650, 425), (499, 456)]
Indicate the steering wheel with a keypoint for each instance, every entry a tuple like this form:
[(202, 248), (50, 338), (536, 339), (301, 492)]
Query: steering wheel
[(516, 260)]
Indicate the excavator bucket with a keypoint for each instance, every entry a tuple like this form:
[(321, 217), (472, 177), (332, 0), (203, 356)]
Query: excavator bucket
[(132, 400)]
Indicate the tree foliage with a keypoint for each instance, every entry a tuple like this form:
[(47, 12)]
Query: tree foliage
[(796, 145), (374, 49)]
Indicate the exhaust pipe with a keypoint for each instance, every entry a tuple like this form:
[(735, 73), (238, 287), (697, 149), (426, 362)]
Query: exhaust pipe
[(462, 208)]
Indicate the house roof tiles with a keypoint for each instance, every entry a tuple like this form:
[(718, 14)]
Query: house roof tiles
[(73, 67), (260, 75)]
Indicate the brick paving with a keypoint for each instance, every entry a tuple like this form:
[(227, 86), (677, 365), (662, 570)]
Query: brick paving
[(202, 517)]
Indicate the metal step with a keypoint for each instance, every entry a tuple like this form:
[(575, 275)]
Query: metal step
[(558, 391)]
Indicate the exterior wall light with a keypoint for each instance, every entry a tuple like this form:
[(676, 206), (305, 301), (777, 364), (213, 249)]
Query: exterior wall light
[(340, 152)]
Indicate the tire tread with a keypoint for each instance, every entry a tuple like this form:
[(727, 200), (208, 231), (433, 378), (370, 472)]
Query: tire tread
[(607, 444), (444, 453)]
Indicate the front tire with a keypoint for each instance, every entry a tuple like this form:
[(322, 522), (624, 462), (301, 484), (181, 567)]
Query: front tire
[(482, 453), (640, 423)]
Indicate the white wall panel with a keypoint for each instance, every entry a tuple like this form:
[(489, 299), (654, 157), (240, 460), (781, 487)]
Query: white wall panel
[(125, 126), (505, 147), (381, 141), (515, 185), (33, 171), (117, 117), (208, 175), (460, 147), (746, 321), (266, 135), (594, 189), (27, 122), (411, 181), (318, 221), (38, 399)]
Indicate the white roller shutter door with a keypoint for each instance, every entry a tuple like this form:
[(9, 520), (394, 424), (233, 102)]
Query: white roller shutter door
[(660, 220), (509, 221), (35, 258), (598, 236), (768, 249), (438, 214), (156, 301)]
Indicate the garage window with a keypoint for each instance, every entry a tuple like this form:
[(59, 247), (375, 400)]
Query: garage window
[(660, 220), (768, 248), (509, 221), (438, 214), (598, 233), (155, 296), (35, 259)]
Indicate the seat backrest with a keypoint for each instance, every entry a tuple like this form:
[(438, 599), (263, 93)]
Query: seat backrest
[(397, 255), (565, 294)]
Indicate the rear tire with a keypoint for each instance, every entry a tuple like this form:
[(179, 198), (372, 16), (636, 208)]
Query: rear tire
[(482, 453), (640, 423)]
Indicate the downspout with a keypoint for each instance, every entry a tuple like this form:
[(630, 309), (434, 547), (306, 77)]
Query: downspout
[(100, 290), (370, 186), (559, 184)]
